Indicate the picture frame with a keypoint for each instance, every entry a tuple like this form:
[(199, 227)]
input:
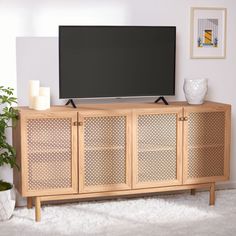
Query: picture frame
[(208, 32)]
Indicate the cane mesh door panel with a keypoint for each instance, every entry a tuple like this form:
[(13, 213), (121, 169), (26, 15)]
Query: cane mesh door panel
[(104, 157), (49, 148), (156, 149), (205, 140)]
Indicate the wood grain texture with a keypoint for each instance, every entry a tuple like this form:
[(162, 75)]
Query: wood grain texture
[(131, 186), (124, 192), (155, 147), (92, 117), (17, 174), (225, 146), (94, 108), (25, 165), (212, 195), (37, 209), (29, 202)]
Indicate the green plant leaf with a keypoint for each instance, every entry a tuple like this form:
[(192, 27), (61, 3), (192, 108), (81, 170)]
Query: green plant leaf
[(5, 186), (8, 117)]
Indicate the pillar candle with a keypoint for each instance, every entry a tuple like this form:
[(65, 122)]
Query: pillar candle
[(33, 91), (45, 91), (39, 102)]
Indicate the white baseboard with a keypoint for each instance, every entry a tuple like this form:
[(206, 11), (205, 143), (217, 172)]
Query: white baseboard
[(226, 185)]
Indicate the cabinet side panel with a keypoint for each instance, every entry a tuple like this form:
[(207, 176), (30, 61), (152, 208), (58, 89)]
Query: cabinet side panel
[(227, 142), (16, 136)]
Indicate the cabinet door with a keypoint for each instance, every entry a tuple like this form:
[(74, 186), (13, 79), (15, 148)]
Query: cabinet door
[(206, 144), (157, 148), (104, 151), (49, 152)]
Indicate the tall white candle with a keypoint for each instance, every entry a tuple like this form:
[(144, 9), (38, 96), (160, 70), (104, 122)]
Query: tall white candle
[(33, 91), (39, 102), (45, 91)]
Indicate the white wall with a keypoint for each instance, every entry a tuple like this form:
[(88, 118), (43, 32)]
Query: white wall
[(24, 23)]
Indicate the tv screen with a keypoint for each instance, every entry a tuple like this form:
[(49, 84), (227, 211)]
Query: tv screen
[(116, 61)]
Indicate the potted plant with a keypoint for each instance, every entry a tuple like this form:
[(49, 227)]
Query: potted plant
[(8, 117)]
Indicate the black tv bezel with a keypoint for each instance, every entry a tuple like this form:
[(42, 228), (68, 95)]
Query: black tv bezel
[(121, 96)]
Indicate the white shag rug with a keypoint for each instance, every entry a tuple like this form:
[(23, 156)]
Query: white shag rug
[(174, 215)]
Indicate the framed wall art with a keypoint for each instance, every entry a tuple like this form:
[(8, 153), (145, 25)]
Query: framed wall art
[(208, 32)]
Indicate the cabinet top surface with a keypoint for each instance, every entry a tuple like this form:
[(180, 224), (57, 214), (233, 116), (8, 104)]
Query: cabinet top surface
[(123, 106)]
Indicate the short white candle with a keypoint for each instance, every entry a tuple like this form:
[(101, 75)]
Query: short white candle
[(39, 102), (45, 91), (33, 91)]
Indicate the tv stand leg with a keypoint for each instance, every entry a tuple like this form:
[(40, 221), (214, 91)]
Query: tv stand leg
[(72, 103), (162, 99), (212, 195), (29, 202), (37, 209)]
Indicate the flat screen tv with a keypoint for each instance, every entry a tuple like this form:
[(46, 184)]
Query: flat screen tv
[(116, 61)]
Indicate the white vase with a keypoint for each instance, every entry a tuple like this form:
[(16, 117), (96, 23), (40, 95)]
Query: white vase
[(7, 204), (195, 90)]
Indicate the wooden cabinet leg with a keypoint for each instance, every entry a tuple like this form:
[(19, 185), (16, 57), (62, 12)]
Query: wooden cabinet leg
[(29, 202), (37, 209), (212, 194), (193, 191)]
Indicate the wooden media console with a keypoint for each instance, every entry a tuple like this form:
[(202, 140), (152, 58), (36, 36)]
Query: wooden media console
[(108, 150)]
